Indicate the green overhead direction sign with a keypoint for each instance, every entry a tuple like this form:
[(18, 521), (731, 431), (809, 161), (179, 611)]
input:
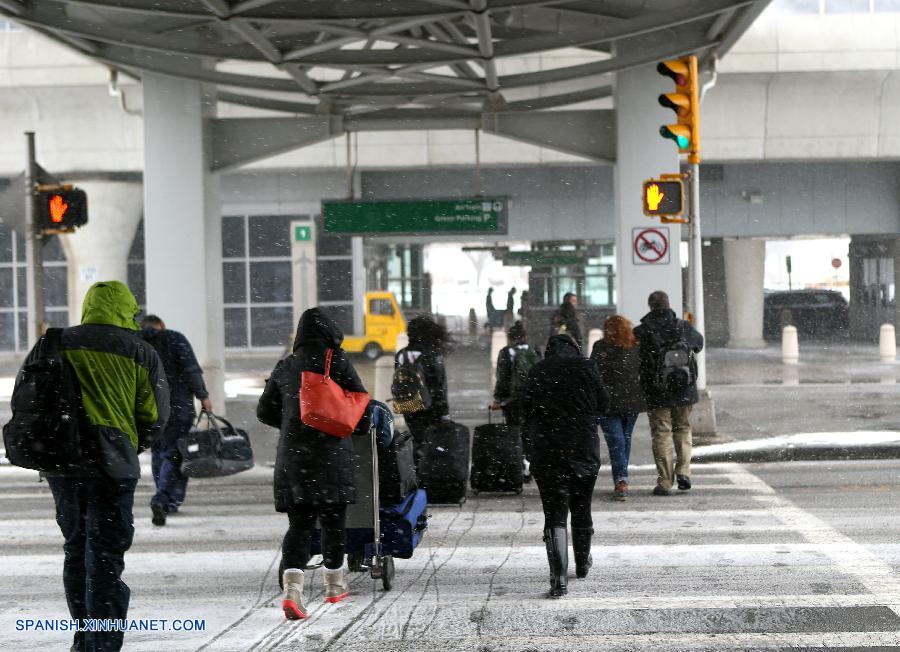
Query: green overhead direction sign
[(543, 258), (471, 216)]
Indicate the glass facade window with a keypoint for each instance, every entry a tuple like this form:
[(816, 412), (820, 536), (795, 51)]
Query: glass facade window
[(256, 277), (847, 6), (796, 6), (14, 289), (269, 235)]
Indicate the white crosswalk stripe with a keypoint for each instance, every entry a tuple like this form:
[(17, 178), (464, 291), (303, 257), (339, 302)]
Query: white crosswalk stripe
[(734, 566)]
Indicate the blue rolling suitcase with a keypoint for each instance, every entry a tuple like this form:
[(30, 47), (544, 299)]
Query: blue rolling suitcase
[(403, 525)]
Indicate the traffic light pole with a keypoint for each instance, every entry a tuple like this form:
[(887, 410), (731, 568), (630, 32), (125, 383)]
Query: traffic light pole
[(696, 259), (34, 258)]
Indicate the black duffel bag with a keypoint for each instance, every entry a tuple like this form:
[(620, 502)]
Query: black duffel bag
[(219, 450), (396, 470)]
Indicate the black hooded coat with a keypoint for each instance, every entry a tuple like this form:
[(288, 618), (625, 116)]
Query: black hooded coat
[(311, 467), (563, 397)]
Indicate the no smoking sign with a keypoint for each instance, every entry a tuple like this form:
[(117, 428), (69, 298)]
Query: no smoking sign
[(650, 246)]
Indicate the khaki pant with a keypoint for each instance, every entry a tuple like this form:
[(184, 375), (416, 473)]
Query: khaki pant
[(668, 425)]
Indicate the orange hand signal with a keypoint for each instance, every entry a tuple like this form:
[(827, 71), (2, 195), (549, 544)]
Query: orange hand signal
[(654, 197), (58, 208)]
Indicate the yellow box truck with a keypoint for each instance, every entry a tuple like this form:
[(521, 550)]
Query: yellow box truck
[(384, 321)]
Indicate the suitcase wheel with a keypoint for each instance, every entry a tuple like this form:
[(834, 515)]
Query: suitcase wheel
[(387, 573)]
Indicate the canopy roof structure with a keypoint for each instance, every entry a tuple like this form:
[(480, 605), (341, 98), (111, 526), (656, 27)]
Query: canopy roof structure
[(391, 58)]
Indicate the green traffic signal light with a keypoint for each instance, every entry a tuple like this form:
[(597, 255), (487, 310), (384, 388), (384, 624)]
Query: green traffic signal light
[(679, 133)]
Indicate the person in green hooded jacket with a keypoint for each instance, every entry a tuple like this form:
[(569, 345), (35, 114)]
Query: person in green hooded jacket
[(126, 403)]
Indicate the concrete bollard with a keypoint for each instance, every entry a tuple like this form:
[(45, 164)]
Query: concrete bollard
[(384, 375), (790, 347), (594, 336), (402, 340), (887, 343), (498, 341)]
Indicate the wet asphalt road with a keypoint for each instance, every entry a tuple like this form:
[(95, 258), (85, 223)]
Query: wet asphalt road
[(789, 556)]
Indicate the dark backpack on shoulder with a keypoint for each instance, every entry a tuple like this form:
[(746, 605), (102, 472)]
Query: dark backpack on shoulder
[(522, 363), (43, 433), (408, 389), (676, 364)]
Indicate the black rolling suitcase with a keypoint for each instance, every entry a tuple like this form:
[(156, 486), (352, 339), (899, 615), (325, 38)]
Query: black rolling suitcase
[(444, 468), (496, 458)]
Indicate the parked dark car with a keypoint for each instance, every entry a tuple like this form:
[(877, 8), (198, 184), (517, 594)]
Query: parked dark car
[(815, 313)]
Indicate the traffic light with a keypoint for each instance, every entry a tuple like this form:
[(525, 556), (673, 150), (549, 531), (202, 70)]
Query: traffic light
[(59, 209), (663, 197), (685, 102)]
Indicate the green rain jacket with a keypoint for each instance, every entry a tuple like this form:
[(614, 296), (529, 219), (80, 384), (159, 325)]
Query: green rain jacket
[(122, 382)]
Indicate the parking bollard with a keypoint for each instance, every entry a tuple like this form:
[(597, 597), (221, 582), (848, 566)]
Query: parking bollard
[(384, 375), (887, 343), (498, 341), (594, 336), (402, 340), (790, 347)]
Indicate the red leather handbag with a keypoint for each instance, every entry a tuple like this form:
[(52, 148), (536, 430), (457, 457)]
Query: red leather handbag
[(326, 406)]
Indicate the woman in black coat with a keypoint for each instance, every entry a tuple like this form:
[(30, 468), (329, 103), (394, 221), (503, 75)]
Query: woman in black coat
[(428, 342), (563, 397), (313, 470), (618, 360)]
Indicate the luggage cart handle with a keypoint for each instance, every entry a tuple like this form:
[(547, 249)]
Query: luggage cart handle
[(376, 499)]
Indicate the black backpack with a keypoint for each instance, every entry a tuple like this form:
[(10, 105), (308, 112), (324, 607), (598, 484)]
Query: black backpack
[(676, 364), (43, 433), (522, 363), (408, 389)]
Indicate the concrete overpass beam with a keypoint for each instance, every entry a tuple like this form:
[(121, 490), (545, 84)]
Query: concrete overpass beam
[(745, 262), (182, 221)]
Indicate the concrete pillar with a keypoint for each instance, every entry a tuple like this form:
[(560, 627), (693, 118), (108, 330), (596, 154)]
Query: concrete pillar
[(182, 222), (745, 262), (359, 285), (99, 252), (642, 154), (857, 314), (714, 293)]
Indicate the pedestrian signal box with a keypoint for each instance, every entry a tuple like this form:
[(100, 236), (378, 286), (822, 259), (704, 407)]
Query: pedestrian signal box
[(59, 209), (663, 197)]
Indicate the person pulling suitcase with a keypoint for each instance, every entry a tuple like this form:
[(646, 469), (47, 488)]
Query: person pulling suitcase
[(514, 362)]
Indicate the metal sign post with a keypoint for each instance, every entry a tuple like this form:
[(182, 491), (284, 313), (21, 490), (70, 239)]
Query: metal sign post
[(696, 264), (34, 258)]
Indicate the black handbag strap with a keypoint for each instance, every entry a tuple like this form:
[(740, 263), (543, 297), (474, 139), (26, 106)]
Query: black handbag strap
[(214, 421)]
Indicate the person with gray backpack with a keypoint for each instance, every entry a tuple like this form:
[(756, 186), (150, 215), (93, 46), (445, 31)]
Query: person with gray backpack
[(668, 350), (514, 362)]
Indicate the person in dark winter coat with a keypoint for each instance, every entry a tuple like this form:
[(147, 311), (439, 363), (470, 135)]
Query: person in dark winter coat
[(428, 343), (618, 361), (563, 398), (514, 362), (669, 401), (313, 470), (566, 320), (185, 382)]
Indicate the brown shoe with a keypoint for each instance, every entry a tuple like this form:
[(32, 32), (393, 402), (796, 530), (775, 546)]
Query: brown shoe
[(621, 491)]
